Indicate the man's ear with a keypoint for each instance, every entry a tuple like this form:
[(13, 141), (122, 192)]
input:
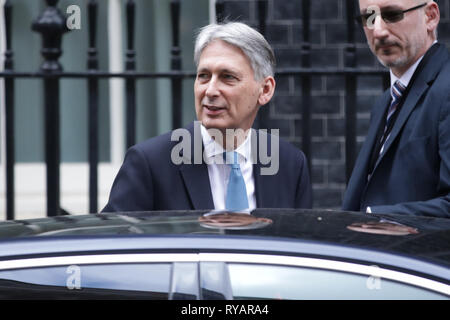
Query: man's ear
[(267, 90), (433, 16)]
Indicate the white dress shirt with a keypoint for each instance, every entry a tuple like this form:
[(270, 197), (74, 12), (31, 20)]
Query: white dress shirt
[(219, 171)]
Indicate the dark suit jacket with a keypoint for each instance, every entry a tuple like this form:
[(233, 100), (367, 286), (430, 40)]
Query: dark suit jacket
[(148, 180), (412, 176)]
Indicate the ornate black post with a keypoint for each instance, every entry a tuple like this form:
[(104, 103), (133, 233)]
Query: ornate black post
[(93, 120), (350, 99), (175, 64), (262, 16), (220, 11), (9, 116), (306, 82), (263, 119), (52, 25), (130, 84)]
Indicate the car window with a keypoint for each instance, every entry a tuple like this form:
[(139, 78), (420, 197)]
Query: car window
[(258, 281), (148, 281)]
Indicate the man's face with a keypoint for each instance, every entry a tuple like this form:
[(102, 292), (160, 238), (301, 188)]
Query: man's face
[(227, 96), (397, 45)]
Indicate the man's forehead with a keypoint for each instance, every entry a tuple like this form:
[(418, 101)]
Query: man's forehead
[(364, 4), (220, 55), (208, 64)]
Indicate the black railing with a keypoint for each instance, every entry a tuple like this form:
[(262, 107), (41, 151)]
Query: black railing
[(306, 83), (350, 89), (93, 107), (9, 116), (51, 24)]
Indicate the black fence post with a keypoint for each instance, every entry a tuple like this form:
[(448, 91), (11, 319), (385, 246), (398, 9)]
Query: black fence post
[(52, 25), (263, 119), (306, 82), (130, 83), (93, 120), (220, 11), (350, 91), (175, 65), (9, 116)]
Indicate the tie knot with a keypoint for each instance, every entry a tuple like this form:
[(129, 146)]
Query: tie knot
[(231, 158), (397, 90)]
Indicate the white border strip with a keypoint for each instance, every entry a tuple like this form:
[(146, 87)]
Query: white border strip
[(373, 271)]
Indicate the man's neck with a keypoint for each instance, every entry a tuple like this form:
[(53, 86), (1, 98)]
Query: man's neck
[(228, 139), (400, 71), (233, 139)]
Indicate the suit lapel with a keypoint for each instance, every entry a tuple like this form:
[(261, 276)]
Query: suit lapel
[(358, 180), (410, 103), (377, 120), (196, 180), (195, 176), (264, 184), (263, 191)]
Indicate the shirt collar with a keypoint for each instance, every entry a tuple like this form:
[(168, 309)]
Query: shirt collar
[(406, 77), (212, 148)]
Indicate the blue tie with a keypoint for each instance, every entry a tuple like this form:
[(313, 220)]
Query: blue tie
[(236, 192)]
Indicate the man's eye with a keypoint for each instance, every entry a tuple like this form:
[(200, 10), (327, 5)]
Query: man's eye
[(229, 77), (202, 76), (392, 16)]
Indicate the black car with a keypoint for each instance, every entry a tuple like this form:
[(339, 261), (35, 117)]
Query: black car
[(265, 254)]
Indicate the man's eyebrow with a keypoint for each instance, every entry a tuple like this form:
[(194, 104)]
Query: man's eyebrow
[(202, 69), (388, 7), (223, 70)]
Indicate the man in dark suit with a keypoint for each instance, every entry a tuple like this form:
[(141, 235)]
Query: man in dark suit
[(404, 164), (218, 162)]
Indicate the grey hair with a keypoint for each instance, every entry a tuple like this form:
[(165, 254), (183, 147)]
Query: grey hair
[(240, 35)]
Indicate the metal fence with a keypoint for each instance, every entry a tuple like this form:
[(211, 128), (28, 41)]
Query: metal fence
[(51, 24)]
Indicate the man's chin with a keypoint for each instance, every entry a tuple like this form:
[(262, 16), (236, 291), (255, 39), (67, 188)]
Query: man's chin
[(213, 124), (392, 62)]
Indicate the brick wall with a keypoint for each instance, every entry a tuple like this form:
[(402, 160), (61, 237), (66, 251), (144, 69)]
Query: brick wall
[(328, 37)]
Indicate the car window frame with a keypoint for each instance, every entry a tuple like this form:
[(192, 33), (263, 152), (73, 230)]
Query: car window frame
[(253, 258)]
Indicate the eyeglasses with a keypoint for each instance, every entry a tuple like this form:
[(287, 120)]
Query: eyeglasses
[(388, 15)]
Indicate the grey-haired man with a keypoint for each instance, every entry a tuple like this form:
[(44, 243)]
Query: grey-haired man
[(220, 161)]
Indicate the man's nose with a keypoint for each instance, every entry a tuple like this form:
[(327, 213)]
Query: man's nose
[(212, 90), (380, 28)]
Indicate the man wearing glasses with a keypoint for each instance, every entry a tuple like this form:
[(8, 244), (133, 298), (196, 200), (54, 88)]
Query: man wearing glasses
[(404, 164)]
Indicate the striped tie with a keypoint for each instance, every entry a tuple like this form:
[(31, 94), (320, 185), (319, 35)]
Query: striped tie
[(397, 91)]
